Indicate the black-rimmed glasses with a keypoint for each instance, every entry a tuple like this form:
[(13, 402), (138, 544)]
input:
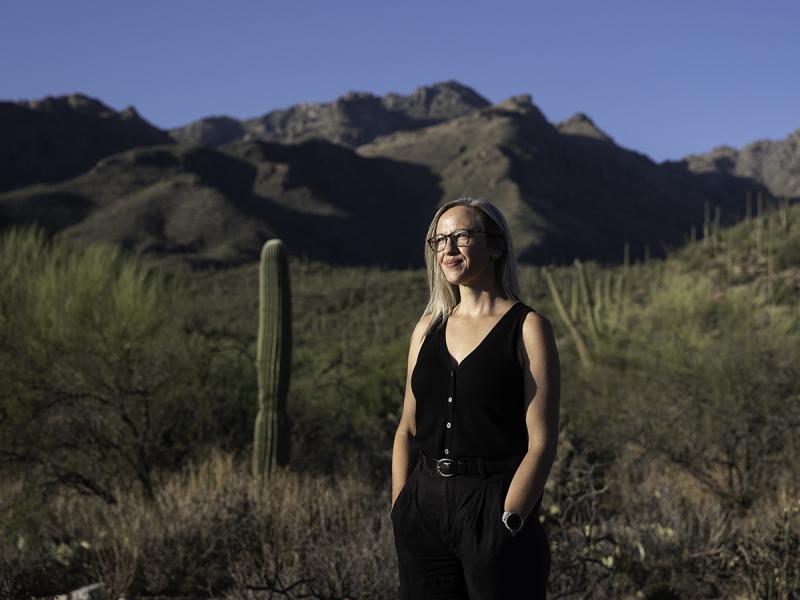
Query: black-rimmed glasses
[(460, 237)]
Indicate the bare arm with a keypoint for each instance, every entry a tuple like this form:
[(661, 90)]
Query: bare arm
[(542, 388), (401, 451)]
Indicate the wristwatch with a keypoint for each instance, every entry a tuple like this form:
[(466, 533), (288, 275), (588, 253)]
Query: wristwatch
[(513, 521)]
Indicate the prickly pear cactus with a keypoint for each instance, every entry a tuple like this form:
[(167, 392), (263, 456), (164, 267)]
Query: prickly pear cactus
[(273, 360)]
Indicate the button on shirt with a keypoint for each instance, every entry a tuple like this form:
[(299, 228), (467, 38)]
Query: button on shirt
[(475, 408)]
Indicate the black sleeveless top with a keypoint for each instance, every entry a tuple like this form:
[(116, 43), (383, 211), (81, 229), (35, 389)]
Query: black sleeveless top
[(477, 407)]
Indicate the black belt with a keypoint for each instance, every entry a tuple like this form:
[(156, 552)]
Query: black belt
[(446, 467)]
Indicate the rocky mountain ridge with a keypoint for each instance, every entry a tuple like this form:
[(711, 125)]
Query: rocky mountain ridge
[(775, 163), (566, 188), (351, 120)]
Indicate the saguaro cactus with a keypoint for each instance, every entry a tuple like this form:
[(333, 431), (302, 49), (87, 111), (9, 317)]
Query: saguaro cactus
[(580, 344), (595, 310), (273, 360)]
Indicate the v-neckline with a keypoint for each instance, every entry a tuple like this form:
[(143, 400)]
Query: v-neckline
[(450, 358)]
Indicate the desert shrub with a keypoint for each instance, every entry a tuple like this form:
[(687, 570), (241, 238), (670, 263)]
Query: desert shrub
[(671, 532), (101, 379), (787, 254), (765, 560), (575, 512), (212, 530), (707, 379), (351, 404)]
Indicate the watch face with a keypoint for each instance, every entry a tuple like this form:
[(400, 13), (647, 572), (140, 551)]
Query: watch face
[(514, 520)]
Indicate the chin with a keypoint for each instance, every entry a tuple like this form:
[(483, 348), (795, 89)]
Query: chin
[(456, 279)]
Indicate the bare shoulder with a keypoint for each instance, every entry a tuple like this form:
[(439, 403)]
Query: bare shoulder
[(537, 339), (536, 324)]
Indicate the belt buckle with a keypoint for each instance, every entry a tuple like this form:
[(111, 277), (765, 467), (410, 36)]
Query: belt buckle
[(447, 461)]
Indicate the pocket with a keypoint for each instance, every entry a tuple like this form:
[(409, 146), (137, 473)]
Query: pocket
[(402, 493), (503, 484)]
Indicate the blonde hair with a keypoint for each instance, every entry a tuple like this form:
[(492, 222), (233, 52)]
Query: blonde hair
[(443, 295)]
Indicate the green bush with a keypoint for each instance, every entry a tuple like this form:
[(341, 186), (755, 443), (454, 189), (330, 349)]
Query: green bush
[(102, 381), (707, 378)]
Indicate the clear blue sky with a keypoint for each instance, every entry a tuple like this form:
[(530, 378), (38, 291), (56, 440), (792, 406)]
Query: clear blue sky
[(664, 78)]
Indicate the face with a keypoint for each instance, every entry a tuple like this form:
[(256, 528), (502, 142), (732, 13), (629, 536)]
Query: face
[(463, 264)]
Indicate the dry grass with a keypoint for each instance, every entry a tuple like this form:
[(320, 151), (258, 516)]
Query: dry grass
[(689, 544), (632, 525), (212, 529)]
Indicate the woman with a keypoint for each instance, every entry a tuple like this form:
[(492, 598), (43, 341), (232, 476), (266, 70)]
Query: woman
[(482, 407)]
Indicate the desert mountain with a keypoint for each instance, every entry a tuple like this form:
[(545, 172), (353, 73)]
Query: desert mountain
[(351, 120), (775, 164), (208, 207), (60, 137), (567, 189)]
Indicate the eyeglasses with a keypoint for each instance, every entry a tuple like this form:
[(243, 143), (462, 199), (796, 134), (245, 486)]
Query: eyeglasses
[(461, 238)]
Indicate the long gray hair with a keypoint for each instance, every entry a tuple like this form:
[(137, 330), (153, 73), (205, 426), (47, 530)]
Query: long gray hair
[(443, 295)]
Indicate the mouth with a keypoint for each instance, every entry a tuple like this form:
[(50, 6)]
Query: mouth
[(451, 263)]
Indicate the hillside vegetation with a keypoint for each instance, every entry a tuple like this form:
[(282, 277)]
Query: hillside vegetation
[(128, 399)]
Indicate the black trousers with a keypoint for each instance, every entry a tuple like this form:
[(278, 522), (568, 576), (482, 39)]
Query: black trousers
[(452, 544)]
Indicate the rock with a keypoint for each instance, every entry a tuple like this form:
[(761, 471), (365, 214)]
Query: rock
[(353, 119)]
